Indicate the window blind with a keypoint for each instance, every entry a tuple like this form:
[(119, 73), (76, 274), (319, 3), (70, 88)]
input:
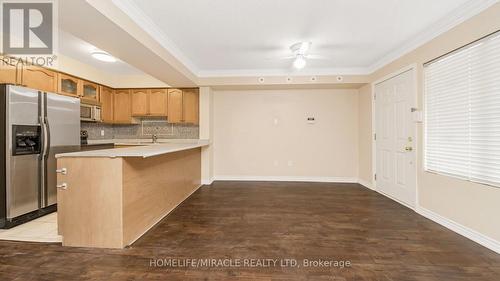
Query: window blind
[(462, 112)]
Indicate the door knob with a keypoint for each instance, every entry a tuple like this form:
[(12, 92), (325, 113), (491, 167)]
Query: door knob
[(409, 148), (62, 186)]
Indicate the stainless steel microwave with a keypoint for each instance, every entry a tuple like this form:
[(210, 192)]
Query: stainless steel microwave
[(90, 113)]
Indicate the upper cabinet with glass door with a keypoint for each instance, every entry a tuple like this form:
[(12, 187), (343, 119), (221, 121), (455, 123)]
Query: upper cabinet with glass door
[(69, 85), (90, 92)]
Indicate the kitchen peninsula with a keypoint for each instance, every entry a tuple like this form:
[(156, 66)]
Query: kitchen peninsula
[(109, 198)]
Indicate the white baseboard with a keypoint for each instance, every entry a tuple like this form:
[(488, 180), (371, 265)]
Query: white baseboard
[(287, 178), (471, 234), (366, 184), (207, 181)]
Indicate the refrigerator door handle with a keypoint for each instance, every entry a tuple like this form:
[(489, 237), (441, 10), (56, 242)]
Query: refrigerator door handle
[(42, 138), (45, 152), (47, 132), (43, 164), (42, 126)]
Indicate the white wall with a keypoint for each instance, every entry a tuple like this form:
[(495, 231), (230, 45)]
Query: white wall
[(261, 134)]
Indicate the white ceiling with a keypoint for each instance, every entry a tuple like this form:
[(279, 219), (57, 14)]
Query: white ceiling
[(249, 37), (78, 49)]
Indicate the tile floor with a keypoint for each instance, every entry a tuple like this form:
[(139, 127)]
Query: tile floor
[(43, 229)]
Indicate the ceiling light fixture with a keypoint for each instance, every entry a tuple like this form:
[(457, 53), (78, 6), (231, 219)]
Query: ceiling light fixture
[(103, 56), (304, 47), (300, 48), (299, 62), (300, 51)]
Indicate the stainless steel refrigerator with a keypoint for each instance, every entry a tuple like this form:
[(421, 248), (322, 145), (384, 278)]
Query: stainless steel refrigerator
[(34, 126)]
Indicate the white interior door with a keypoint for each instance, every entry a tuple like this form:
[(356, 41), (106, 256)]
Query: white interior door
[(395, 138)]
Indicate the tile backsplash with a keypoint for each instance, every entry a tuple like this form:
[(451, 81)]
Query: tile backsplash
[(144, 130)]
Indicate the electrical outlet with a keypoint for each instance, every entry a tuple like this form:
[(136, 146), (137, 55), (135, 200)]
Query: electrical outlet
[(102, 133), (290, 163)]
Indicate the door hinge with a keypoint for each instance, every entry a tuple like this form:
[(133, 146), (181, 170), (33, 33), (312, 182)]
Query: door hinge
[(375, 176), (375, 136), (374, 96)]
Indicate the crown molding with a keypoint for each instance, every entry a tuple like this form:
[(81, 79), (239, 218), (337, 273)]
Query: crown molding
[(454, 18), (283, 72)]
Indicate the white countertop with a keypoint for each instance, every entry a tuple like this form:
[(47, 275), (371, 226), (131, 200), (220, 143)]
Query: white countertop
[(141, 149)]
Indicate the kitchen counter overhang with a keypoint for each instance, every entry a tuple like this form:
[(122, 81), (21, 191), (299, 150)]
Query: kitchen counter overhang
[(110, 198), (143, 150)]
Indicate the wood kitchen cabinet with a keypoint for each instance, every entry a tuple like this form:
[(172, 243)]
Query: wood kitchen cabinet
[(13, 71), (140, 102), (89, 92), (183, 106), (190, 106), (69, 85), (9, 71), (39, 78), (149, 102), (118, 106), (122, 107), (158, 102), (174, 106), (107, 104)]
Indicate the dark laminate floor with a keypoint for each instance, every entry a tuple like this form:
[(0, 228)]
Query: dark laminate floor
[(382, 240)]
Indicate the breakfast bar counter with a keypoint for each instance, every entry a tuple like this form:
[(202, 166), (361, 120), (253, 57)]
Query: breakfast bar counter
[(109, 198), (139, 149)]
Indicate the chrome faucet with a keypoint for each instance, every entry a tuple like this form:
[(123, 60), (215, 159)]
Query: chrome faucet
[(154, 138)]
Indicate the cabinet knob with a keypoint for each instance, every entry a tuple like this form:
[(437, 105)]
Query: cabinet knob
[(63, 171), (62, 186)]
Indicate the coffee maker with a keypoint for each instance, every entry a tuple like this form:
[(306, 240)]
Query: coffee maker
[(84, 135)]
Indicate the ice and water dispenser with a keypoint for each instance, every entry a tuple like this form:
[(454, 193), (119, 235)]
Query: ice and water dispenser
[(26, 140)]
